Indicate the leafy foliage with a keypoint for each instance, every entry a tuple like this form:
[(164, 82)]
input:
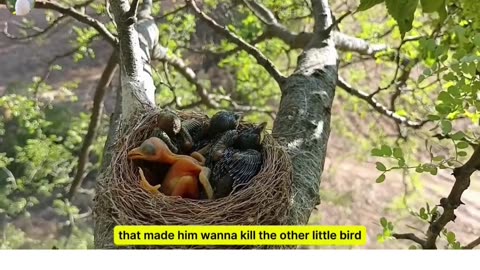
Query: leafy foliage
[(449, 56), (37, 162)]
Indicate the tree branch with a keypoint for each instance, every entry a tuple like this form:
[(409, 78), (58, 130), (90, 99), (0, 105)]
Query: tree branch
[(209, 100), (473, 244), (95, 120), (462, 176), (38, 33), (410, 236), (81, 17), (50, 63), (378, 106), (253, 51), (348, 43), (342, 41)]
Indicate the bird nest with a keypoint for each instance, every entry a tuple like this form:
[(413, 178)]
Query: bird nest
[(265, 201)]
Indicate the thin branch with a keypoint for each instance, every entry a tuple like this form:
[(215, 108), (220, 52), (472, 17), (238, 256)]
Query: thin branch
[(473, 244), (300, 40), (257, 54), (462, 176), (109, 13), (377, 106), (225, 54), (446, 136), (79, 16), (95, 120), (175, 11), (208, 99), (410, 236), (348, 43), (39, 32), (50, 63)]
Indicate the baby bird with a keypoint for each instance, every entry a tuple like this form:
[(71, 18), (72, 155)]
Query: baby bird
[(183, 175), (168, 126), (192, 131), (236, 158), (220, 123)]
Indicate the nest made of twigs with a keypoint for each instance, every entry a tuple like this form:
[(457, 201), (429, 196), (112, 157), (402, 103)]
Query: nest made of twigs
[(264, 202)]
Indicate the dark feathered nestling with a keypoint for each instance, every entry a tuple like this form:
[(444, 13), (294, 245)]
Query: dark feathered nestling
[(220, 123), (234, 171), (250, 138), (235, 158), (192, 131)]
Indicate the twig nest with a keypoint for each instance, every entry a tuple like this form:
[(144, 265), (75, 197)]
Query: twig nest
[(265, 201)]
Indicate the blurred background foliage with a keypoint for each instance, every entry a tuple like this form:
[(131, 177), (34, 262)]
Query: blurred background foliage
[(430, 74), (40, 141)]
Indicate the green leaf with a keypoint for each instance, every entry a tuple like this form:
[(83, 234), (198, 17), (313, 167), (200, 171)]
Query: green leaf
[(446, 126), (458, 135), (476, 40), (402, 113), (451, 237), (443, 108), (442, 13), (386, 150), (421, 78), (380, 179), (429, 6), (383, 222), (377, 152), (390, 226), (462, 145), (397, 152), (423, 215), (367, 4), (445, 97), (403, 12), (380, 166)]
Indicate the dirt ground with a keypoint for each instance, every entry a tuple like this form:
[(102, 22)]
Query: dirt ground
[(350, 195)]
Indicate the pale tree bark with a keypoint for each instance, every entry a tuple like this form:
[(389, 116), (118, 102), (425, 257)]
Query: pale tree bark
[(303, 121), (137, 39), (138, 88)]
